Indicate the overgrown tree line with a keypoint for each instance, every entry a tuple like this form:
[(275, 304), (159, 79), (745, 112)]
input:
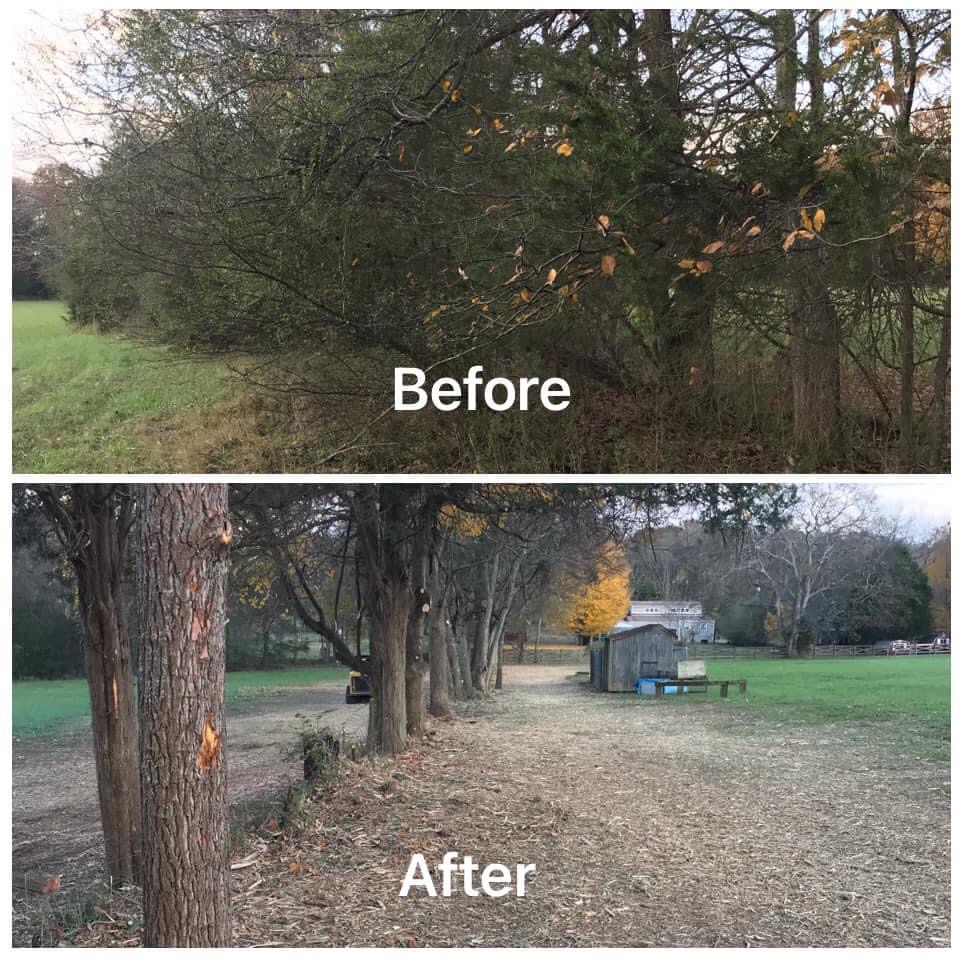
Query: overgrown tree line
[(728, 229)]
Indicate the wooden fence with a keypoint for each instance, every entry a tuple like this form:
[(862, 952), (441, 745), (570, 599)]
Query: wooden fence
[(575, 656), (726, 651)]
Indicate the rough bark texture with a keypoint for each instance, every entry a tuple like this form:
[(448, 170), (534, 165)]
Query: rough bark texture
[(184, 534), (814, 357), (941, 377), (441, 682), (381, 533), (101, 525)]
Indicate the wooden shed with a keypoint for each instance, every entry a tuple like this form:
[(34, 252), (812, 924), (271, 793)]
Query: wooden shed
[(618, 661)]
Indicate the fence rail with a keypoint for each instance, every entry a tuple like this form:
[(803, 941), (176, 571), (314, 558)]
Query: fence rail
[(574, 657), (872, 650), (725, 651)]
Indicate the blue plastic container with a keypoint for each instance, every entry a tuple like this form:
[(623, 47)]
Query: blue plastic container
[(646, 687)]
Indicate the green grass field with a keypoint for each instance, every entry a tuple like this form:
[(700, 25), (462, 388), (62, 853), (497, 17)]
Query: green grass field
[(825, 690), (43, 706), (85, 402), (910, 693)]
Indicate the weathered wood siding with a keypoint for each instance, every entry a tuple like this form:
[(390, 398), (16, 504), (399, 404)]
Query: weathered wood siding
[(648, 651)]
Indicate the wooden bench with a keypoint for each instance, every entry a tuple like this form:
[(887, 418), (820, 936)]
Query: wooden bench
[(700, 683)]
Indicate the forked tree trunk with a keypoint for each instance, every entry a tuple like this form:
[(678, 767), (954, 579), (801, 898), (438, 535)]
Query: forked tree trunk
[(184, 534), (101, 524)]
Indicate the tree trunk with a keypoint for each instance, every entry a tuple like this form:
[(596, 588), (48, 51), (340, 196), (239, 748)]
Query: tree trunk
[(906, 352), (684, 319), (440, 680), (813, 324), (424, 588), (184, 535), (108, 665), (938, 425), (814, 359), (381, 531)]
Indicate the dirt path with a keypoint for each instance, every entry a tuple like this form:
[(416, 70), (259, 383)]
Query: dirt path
[(650, 824)]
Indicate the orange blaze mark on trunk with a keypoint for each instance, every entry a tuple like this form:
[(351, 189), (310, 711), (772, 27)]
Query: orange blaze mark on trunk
[(209, 745), (116, 698)]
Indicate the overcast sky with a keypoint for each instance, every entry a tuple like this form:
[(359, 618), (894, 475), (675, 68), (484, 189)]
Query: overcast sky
[(921, 505)]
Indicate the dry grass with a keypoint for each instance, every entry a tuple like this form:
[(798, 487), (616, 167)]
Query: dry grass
[(649, 824)]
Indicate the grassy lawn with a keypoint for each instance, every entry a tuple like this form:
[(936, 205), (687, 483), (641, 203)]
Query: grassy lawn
[(41, 706), (85, 402), (910, 693)]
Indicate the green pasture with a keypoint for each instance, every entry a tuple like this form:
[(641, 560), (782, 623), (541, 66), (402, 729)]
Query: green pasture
[(85, 402), (44, 706)]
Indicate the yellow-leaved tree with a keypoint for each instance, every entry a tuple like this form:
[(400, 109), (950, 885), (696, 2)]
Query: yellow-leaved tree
[(590, 606)]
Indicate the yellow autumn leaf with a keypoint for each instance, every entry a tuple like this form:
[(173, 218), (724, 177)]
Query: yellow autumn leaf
[(525, 295), (608, 263), (794, 236), (512, 145), (805, 219), (603, 222), (468, 148), (757, 188), (628, 247), (564, 149), (704, 266), (445, 86), (497, 123), (475, 132), (687, 264), (753, 231), (551, 277), (455, 96), (819, 219), (403, 152), (711, 248)]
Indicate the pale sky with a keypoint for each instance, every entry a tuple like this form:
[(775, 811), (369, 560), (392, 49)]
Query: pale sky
[(921, 505)]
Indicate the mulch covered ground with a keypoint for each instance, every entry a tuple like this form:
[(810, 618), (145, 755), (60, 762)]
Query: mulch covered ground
[(668, 824)]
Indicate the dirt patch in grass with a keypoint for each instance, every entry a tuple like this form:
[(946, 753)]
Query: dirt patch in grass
[(649, 825), (56, 819)]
